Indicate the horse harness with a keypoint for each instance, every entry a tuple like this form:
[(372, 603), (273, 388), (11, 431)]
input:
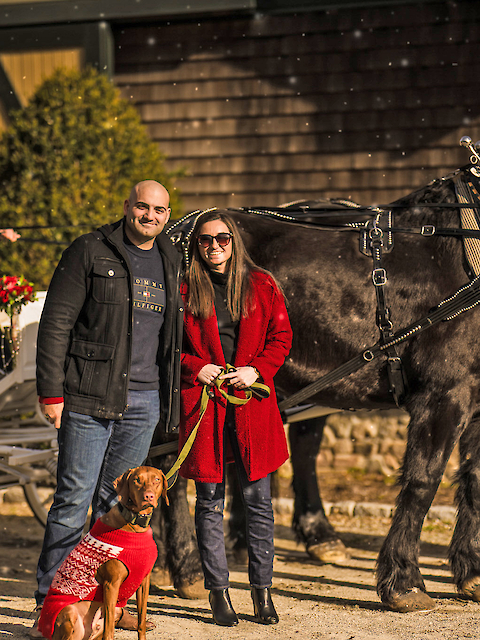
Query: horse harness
[(376, 239)]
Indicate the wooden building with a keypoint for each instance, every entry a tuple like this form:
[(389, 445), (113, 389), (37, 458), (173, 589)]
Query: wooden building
[(268, 101)]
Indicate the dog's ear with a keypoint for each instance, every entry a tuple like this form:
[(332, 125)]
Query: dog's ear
[(121, 486), (164, 489)]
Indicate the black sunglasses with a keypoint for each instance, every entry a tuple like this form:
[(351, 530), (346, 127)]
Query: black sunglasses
[(205, 239)]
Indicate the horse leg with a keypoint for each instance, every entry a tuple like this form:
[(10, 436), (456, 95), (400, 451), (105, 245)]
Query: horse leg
[(435, 426), (237, 521), (160, 575), (310, 523), (183, 557), (464, 553), (177, 542)]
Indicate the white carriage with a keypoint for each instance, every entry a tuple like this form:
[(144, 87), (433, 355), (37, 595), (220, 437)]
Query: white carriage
[(28, 443)]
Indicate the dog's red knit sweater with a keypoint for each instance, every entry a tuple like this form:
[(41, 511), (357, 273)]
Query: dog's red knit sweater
[(75, 579)]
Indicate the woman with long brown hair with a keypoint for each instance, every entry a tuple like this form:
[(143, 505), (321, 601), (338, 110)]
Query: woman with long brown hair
[(234, 313)]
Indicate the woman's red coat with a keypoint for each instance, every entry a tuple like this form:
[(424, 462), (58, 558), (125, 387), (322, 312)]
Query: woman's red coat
[(264, 341)]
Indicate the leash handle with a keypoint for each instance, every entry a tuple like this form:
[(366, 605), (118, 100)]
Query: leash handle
[(229, 398), (259, 388)]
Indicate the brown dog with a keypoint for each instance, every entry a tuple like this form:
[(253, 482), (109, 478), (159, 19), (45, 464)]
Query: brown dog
[(108, 566)]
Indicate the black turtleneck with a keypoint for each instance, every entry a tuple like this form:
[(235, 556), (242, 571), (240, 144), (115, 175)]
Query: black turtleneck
[(227, 327)]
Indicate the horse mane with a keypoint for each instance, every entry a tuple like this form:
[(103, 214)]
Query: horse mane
[(439, 191)]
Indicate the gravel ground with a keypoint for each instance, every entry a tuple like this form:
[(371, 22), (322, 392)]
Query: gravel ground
[(313, 600)]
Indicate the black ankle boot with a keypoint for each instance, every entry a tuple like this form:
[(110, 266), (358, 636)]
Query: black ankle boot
[(263, 608), (222, 609)]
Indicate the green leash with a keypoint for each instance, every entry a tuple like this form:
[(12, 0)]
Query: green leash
[(257, 388)]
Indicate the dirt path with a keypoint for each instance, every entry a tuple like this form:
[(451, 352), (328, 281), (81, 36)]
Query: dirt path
[(313, 601)]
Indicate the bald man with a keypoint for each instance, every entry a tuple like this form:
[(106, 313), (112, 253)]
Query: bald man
[(108, 364)]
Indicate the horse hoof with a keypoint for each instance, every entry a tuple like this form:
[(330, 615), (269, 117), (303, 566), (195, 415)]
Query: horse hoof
[(471, 588), (240, 555), (192, 591), (331, 552), (160, 577), (412, 600)]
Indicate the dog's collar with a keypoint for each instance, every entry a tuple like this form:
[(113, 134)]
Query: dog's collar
[(142, 519)]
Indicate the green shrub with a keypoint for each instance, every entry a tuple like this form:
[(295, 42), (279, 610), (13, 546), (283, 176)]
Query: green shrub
[(70, 157)]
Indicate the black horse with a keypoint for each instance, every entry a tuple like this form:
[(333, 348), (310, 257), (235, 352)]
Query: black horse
[(331, 300)]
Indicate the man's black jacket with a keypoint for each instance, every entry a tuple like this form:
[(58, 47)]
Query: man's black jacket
[(85, 334)]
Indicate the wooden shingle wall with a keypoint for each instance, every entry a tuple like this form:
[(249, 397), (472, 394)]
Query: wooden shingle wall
[(366, 103)]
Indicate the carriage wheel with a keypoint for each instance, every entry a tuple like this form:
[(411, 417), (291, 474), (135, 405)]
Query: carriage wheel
[(39, 492)]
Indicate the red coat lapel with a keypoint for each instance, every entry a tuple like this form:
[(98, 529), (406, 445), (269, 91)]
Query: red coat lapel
[(204, 338)]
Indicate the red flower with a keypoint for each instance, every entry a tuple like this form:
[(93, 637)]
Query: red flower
[(14, 293)]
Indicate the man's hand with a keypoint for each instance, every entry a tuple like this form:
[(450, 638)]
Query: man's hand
[(53, 413)]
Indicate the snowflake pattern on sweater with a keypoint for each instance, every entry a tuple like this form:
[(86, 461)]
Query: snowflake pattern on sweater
[(76, 576)]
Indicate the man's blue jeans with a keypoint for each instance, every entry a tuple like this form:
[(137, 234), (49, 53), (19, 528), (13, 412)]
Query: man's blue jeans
[(209, 524), (92, 453)]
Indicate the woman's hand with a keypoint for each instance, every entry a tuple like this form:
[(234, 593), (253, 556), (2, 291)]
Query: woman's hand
[(241, 378), (208, 373)]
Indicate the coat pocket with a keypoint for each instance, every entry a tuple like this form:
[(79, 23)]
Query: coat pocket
[(109, 281), (89, 368)]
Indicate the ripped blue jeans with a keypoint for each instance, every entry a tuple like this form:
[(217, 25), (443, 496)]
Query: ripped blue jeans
[(209, 524)]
